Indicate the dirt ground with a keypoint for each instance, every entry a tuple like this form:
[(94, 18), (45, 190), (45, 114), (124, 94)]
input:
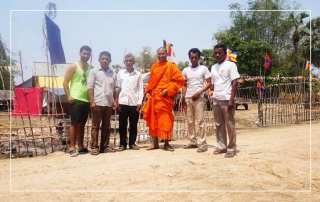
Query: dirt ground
[(272, 164)]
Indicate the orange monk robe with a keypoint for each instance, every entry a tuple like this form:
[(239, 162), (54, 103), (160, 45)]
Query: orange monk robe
[(158, 110)]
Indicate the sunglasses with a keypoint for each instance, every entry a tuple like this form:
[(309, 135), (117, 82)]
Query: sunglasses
[(84, 79)]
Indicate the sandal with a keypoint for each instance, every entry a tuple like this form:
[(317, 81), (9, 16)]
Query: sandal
[(168, 148), (134, 147), (152, 147), (230, 154), (190, 145), (219, 151), (94, 151), (202, 148), (108, 150)]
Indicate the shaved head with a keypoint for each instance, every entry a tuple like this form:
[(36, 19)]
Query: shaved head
[(162, 54), (162, 48)]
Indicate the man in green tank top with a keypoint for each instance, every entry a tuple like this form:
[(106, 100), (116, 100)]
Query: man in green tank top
[(78, 99)]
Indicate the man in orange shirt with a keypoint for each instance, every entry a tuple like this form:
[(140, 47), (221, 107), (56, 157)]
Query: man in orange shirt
[(165, 81)]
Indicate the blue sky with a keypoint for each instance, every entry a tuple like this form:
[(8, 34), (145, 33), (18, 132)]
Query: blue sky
[(117, 31)]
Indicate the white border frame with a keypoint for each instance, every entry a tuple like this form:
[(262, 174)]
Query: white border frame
[(164, 191)]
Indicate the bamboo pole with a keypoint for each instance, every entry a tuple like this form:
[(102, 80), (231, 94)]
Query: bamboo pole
[(30, 124)]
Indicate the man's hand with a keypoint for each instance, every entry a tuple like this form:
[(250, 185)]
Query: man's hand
[(93, 106), (70, 99), (230, 104), (138, 107), (147, 95), (116, 105), (196, 96), (164, 93), (183, 100)]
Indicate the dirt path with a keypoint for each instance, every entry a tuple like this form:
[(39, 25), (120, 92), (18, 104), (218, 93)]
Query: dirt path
[(273, 164)]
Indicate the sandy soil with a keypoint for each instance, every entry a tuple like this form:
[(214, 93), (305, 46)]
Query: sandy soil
[(273, 164)]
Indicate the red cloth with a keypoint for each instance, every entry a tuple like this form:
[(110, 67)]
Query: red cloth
[(28, 101)]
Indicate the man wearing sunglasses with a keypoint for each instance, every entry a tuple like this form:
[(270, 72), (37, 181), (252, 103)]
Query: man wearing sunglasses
[(78, 99)]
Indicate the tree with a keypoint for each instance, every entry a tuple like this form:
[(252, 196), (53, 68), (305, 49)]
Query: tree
[(314, 41), (115, 67), (207, 58), (251, 54), (5, 61), (183, 65), (145, 59), (297, 22), (253, 32)]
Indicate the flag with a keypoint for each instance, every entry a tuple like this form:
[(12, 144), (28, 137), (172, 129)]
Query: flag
[(54, 41), (232, 55), (169, 48), (261, 87), (306, 65), (267, 62)]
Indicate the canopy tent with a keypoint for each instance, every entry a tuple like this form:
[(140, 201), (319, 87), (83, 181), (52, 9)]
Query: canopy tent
[(145, 77), (44, 81)]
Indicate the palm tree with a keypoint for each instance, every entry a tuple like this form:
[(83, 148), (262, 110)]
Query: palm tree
[(314, 40), (297, 22)]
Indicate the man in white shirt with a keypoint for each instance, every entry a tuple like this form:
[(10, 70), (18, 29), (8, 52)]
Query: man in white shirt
[(224, 80), (130, 94), (197, 81), (101, 85)]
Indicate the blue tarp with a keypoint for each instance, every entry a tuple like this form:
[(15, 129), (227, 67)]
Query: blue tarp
[(54, 40), (146, 79)]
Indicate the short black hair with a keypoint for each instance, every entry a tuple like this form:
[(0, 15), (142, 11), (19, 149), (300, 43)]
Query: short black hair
[(194, 50), (105, 53), (85, 48), (224, 47)]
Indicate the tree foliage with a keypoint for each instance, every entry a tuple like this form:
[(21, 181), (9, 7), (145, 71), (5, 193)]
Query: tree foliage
[(279, 33), (314, 41), (145, 59), (183, 65), (5, 61)]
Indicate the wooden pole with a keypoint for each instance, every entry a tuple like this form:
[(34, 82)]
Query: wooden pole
[(20, 59)]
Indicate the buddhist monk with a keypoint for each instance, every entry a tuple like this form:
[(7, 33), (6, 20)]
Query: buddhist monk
[(165, 81)]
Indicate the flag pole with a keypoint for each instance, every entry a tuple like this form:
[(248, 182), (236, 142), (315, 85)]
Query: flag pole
[(260, 94), (264, 73), (260, 58)]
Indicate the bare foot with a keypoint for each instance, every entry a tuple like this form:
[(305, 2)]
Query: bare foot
[(168, 147), (152, 147)]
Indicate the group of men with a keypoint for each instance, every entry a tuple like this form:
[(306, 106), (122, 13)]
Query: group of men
[(103, 90)]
